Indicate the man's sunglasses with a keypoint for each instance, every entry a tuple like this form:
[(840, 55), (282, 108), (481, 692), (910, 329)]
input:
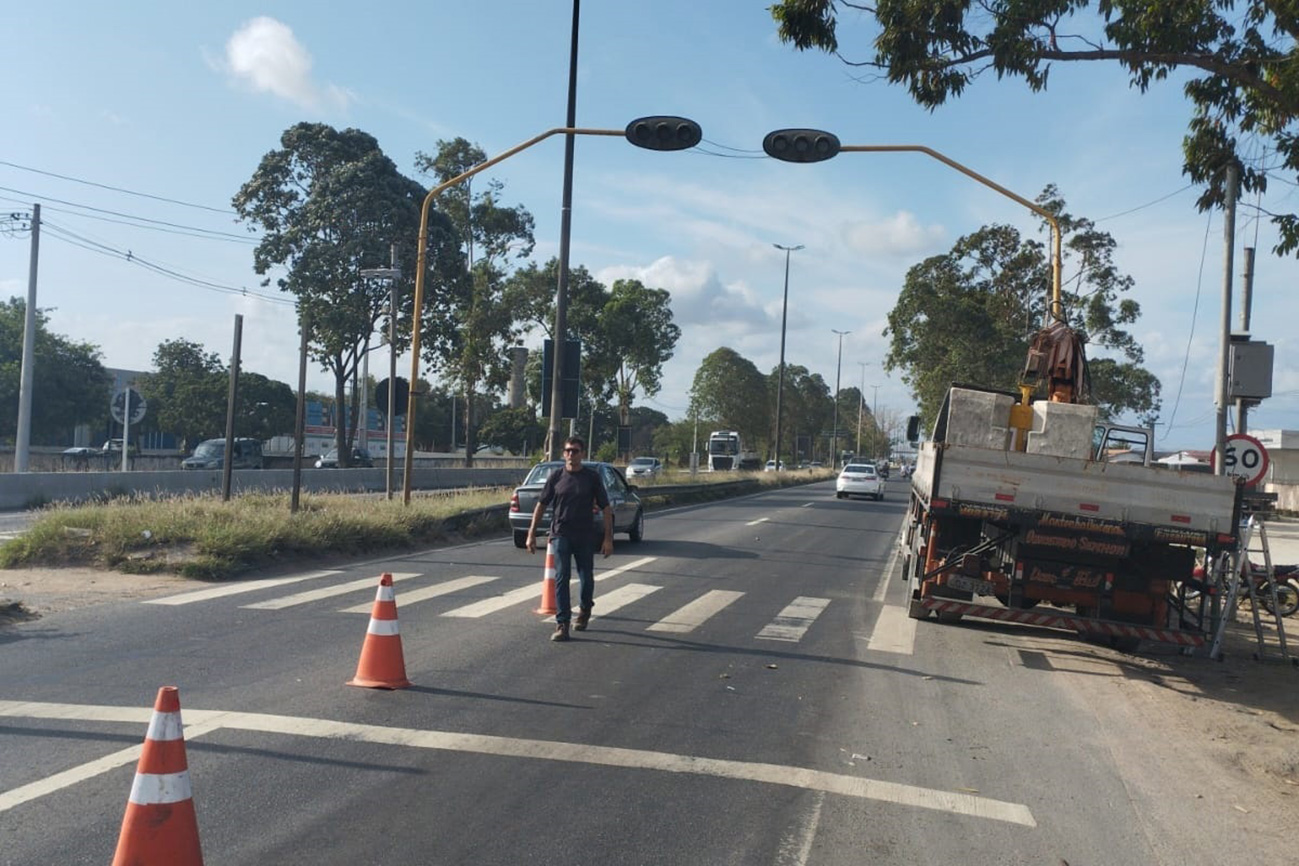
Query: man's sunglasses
[(572, 450)]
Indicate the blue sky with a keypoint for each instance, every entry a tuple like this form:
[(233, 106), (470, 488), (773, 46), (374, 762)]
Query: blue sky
[(180, 101)]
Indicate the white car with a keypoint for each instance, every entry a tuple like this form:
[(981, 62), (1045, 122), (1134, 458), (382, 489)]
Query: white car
[(644, 467), (771, 466), (859, 479)]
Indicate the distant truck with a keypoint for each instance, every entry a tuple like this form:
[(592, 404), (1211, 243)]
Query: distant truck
[(1013, 507), (726, 452)]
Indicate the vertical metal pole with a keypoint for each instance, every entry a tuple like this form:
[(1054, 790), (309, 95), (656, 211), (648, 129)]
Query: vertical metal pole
[(363, 410), (232, 398), (1229, 239), (126, 426), (300, 423), (838, 367), (392, 374), (861, 404), (565, 228), (22, 445), (875, 421), (780, 377), (1246, 301)]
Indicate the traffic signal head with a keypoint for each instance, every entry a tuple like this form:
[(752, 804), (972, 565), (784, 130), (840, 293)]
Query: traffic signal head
[(664, 132), (801, 145)]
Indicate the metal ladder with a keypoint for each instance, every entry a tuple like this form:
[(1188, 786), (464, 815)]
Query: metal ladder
[(1229, 571)]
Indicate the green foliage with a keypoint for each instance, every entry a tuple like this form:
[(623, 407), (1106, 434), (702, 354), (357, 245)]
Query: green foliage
[(69, 383), (967, 316), (329, 204), (729, 391), (806, 410), (640, 337), (514, 429), (1239, 56), (472, 351)]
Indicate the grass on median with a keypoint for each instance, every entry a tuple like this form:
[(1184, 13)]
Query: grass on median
[(200, 536)]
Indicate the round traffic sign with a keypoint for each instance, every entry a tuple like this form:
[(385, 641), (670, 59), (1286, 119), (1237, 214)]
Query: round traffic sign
[(118, 406), (1244, 457)]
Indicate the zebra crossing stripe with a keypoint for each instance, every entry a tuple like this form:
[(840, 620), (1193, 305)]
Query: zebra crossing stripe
[(491, 605), (696, 613), (614, 572), (623, 596), (408, 598), (794, 621), (325, 592), (237, 588)]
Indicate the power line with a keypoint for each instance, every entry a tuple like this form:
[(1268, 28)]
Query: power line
[(117, 188), (213, 232), (1186, 358), (72, 238), (201, 234)]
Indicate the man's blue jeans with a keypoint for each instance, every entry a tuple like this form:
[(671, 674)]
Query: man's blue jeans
[(570, 551)]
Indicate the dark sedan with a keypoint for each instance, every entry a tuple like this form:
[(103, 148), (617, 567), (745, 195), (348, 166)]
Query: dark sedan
[(360, 457), (628, 512)]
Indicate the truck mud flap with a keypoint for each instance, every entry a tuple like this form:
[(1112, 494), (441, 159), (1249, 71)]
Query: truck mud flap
[(1061, 620)]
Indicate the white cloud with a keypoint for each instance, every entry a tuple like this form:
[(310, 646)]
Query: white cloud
[(899, 235), (265, 55)]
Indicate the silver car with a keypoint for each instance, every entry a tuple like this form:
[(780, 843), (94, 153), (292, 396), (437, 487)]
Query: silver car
[(628, 512), (859, 479)]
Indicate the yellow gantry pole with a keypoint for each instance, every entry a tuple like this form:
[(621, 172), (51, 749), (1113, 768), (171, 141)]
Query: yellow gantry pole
[(1056, 313), (420, 267)]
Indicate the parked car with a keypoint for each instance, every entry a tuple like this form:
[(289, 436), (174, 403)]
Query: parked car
[(628, 512), (211, 454), (771, 466), (360, 457), (644, 467), (859, 479)]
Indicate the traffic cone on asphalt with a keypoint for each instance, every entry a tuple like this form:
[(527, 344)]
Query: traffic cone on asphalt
[(160, 828), (548, 607), (382, 665)]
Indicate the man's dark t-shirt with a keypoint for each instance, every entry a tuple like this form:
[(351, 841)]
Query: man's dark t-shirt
[(574, 495)]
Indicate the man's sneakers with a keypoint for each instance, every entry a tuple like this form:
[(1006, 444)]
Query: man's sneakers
[(561, 632), (583, 617)]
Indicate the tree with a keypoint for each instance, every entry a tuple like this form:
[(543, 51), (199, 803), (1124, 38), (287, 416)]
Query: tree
[(1241, 56), (473, 351), (265, 407), (639, 332), (805, 407), (729, 390), (515, 429), (69, 382), (187, 391), (330, 203), (968, 315)]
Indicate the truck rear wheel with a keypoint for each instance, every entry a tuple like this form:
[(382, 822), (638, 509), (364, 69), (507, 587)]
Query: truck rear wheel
[(916, 610), (949, 617)]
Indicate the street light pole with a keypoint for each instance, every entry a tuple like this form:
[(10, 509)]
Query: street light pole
[(861, 404), (838, 367), (780, 379), (875, 421), (391, 274)]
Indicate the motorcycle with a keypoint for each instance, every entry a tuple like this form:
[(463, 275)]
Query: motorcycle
[(1286, 578)]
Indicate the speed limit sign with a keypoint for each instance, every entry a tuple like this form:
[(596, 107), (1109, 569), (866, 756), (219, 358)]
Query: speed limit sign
[(1244, 457)]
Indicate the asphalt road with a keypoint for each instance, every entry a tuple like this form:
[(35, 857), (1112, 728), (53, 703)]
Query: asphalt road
[(750, 691)]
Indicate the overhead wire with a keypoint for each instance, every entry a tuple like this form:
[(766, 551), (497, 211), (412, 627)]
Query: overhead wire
[(74, 239), (1195, 308), (215, 233), (117, 188)]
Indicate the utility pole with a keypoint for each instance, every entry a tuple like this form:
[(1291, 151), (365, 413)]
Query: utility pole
[(861, 404), (22, 445), (1246, 301), (780, 380), (834, 464), (875, 422), (1224, 356), (565, 231)]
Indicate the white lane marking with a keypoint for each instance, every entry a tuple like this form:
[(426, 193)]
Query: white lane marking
[(886, 577), (327, 592), (500, 602), (796, 846), (794, 621), (73, 775), (756, 522), (696, 613), (623, 596), (408, 598), (236, 588), (572, 753), (509, 599), (894, 632), (807, 505)]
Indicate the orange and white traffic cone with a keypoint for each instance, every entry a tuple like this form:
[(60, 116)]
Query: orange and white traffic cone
[(160, 826), (382, 665), (548, 607)]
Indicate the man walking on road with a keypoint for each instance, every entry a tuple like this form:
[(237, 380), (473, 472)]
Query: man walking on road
[(576, 491)]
